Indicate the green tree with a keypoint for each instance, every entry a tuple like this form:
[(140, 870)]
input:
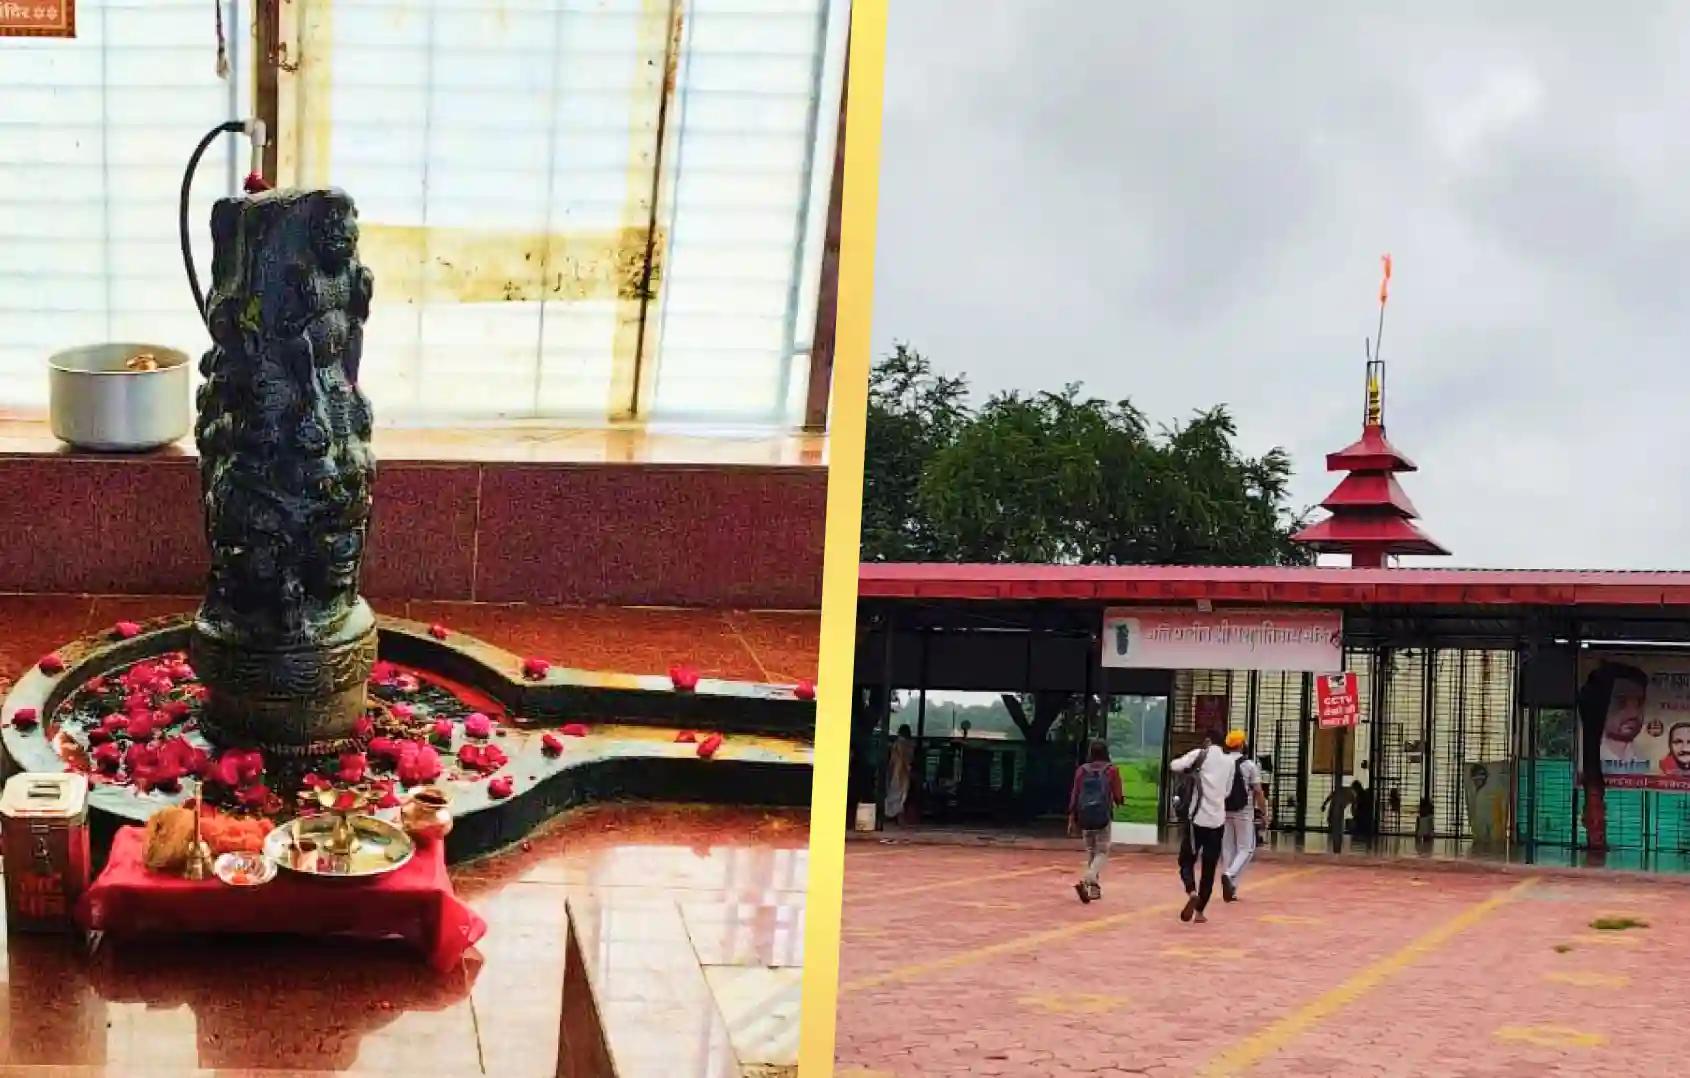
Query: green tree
[(913, 414), (1061, 478)]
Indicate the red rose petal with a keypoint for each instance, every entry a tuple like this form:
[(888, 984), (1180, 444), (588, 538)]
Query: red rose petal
[(805, 690), (51, 663), (353, 765), (685, 737), (401, 710), (551, 745), (684, 678), (535, 669), (363, 728), (437, 630), (442, 731), (478, 725), (108, 758), (499, 787), (314, 781), (125, 630), (26, 718), (707, 748), (573, 729)]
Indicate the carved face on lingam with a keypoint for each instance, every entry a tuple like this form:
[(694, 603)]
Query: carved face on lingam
[(283, 639)]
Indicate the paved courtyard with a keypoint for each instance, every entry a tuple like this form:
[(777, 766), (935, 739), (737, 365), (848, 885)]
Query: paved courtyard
[(982, 961)]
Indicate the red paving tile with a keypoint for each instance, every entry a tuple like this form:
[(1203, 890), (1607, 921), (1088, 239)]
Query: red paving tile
[(1321, 969)]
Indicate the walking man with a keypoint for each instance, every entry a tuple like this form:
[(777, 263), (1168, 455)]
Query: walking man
[(1202, 810), (1244, 801), (1091, 810)]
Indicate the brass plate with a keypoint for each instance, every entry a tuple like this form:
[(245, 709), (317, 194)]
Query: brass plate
[(380, 848)]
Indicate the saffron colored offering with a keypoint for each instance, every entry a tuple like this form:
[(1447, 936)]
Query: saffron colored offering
[(244, 869)]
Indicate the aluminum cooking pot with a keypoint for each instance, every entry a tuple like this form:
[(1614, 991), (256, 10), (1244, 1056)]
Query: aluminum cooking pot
[(120, 397)]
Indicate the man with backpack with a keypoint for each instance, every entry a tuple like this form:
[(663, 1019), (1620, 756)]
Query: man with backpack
[(1244, 799), (1091, 811), (1205, 776)]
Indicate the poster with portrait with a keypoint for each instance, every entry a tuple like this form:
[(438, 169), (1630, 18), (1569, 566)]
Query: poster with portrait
[(1634, 720), (1490, 795)]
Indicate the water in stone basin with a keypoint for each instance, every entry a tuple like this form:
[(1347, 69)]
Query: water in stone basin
[(138, 727)]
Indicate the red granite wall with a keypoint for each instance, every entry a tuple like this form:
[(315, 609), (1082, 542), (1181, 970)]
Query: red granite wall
[(740, 536)]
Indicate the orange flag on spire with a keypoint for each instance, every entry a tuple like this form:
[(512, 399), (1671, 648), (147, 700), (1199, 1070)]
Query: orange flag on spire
[(1385, 282)]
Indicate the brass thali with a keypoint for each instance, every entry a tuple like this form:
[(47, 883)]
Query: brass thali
[(307, 845)]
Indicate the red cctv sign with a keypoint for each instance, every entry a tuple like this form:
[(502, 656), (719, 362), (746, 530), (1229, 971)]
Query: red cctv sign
[(1337, 699), (37, 18)]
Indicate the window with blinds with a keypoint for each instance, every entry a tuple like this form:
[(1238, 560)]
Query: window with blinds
[(94, 134), (581, 210), (584, 209)]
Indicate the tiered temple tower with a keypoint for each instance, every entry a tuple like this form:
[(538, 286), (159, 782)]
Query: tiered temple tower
[(1371, 517)]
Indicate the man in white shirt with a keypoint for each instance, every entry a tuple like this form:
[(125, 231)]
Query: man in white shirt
[(1238, 841), (1208, 821)]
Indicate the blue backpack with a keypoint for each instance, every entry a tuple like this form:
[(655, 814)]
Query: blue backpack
[(1096, 807)]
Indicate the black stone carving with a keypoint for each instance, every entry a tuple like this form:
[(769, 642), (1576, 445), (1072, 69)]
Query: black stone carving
[(286, 471)]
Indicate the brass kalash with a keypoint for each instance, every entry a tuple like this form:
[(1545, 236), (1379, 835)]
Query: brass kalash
[(283, 641)]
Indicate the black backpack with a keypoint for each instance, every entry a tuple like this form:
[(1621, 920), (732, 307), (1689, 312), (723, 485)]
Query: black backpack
[(1188, 790), (1238, 796), (1096, 806)]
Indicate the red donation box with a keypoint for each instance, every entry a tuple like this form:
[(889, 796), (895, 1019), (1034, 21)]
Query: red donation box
[(44, 829), (1336, 697)]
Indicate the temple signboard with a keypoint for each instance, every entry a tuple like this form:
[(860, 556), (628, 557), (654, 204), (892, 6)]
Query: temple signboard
[(1245, 638), (37, 18)]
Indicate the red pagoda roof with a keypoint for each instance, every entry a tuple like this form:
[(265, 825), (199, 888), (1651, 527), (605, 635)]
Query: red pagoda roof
[(1370, 490), (1382, 531), (1370, 453)]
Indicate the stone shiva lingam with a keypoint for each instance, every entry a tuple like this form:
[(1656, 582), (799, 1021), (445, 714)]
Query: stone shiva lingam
[(283, 641)]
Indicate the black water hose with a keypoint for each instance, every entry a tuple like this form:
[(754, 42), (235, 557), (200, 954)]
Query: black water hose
[(228, 128)]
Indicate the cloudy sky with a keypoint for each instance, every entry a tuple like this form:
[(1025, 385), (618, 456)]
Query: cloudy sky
[(1185, 204)]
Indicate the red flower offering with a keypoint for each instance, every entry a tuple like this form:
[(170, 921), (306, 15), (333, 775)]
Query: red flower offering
[(684, 677), (401, 710), (125, 630), (108, 758), (707, 748), (535, 669), (573, 729), (385, 749), (551, 745), (26, 718), (499, 787), (343, 802), (418, 763), (437, 630), (141, 726), (388, 798), (51, 663), (478, 725), (685, 737), (363, 728), (442, 731), (805, 690), (313, 781), (353, 767)]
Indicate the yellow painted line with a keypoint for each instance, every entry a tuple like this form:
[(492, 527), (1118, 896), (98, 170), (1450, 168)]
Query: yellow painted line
[(1551, 1036), (1182, 951), (923, 888), (1585, 979), (1271, 1038), (1608, 939), (1072, 1002), (1038, 939)]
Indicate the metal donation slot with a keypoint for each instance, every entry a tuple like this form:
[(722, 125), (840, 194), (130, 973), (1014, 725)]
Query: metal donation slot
[(44, 835)]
